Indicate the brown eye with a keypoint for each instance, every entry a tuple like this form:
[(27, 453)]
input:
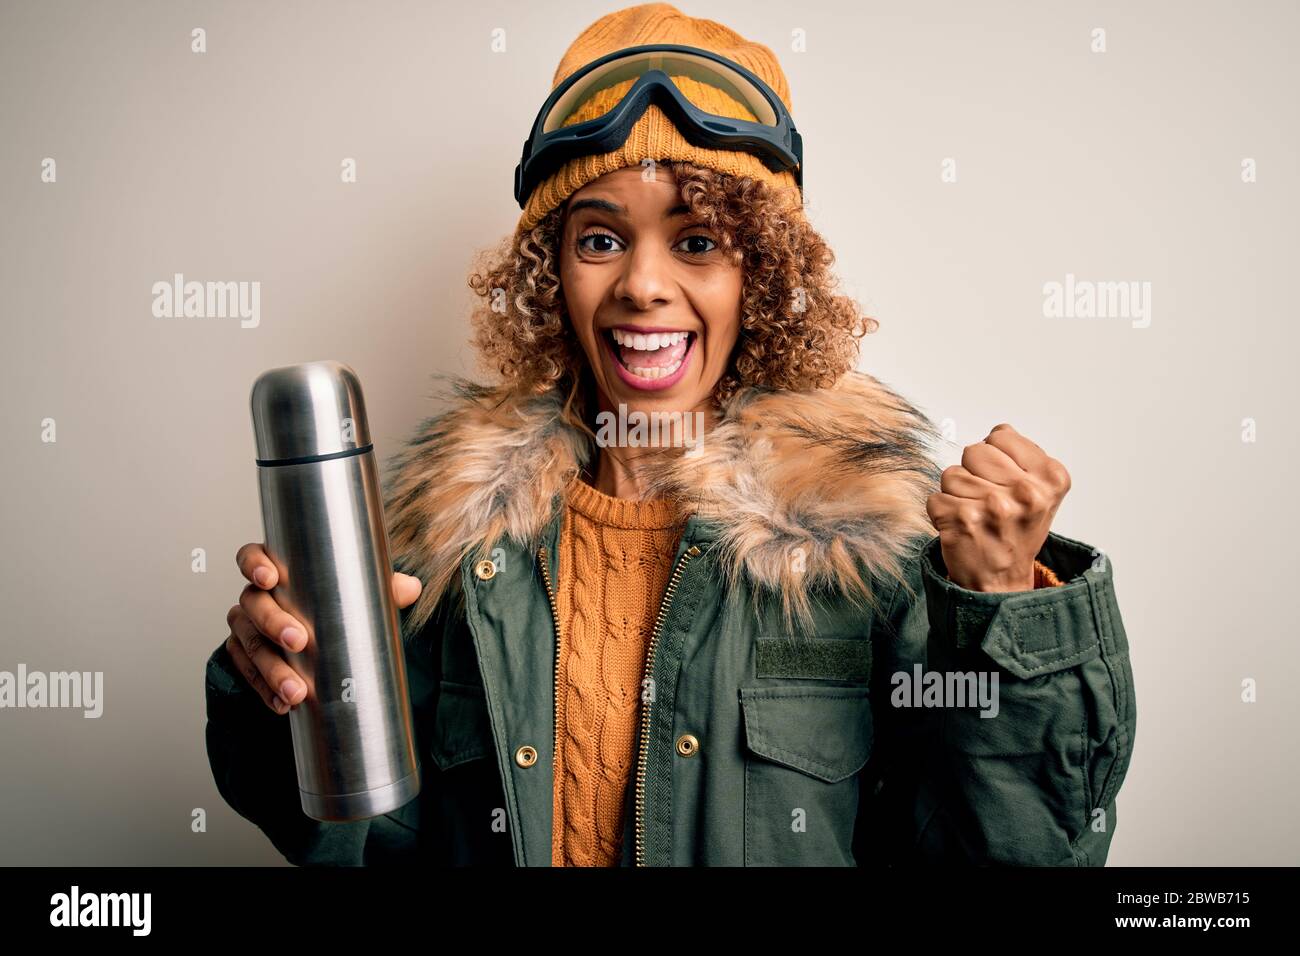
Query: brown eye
[(698, 251), (596, 236)]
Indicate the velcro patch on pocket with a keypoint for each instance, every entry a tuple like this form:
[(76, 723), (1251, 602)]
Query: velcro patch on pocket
[(816, 659)]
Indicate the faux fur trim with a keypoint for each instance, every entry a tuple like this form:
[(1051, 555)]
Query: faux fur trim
[(813, 491)]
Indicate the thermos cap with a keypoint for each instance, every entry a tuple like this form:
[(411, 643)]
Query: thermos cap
[(307, 411)]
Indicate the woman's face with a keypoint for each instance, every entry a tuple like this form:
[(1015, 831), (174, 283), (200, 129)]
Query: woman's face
[(652, 297)]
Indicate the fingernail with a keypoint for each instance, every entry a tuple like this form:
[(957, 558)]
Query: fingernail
[(289, 689), (279, 705), (290, 637), (263, 577)]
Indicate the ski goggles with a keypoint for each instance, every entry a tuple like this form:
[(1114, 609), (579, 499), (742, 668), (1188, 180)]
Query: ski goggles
[(773, 138)]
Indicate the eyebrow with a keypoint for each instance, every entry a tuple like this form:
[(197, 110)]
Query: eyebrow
[(606, 206)]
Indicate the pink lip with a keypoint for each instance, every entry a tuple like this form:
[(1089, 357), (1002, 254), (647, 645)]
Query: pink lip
[(648, 385)]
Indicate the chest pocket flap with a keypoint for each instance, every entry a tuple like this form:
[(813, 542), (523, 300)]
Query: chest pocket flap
[(825, 732)]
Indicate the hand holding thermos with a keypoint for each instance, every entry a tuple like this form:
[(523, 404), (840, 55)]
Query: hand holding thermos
[(258, 626), (316, 632)]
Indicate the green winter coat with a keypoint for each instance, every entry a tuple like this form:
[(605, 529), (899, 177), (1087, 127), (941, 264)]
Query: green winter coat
[(781, 720)]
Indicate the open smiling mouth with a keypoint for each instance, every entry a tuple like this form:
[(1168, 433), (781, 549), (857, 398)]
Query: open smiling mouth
[(649, 359)]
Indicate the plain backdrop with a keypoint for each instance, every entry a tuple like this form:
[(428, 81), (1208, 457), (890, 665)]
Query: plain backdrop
[(1124, 165)]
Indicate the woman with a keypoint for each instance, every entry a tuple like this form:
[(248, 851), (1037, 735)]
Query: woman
[(774, 635)]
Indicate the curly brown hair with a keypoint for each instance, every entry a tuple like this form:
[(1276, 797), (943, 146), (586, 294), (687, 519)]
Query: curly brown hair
[(797, 332)]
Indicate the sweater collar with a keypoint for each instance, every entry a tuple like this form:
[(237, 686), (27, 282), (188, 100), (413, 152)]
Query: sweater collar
[(647, 514)]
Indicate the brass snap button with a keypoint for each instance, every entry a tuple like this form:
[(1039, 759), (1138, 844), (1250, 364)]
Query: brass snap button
[(525, 756), (485, 570), (687, 745)]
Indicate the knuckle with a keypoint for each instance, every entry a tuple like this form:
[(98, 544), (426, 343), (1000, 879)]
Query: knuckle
[(251, 674), (973, 455), (241, 627), (999, 507), (1058, 475), (1027, 492), (261, 609), (255, 681), (1035, 501), (255, 643)]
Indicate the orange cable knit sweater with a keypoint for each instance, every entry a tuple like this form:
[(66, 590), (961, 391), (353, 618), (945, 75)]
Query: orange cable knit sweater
[(615, 557)]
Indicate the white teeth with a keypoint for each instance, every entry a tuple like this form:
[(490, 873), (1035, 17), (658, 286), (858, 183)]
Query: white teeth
[(648, 343), (651, 342)]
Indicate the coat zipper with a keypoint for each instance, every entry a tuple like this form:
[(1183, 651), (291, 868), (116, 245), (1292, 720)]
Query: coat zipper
[(644, 748), (555, 665)]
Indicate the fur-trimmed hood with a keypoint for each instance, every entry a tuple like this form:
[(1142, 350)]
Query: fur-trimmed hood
[(812, 490)]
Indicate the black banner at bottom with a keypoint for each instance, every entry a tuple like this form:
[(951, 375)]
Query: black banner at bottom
[(285, 906)]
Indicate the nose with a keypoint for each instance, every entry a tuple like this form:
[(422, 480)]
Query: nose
[(645, 280)]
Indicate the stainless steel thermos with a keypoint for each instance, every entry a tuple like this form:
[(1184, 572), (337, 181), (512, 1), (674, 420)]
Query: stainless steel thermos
[(322, 512)]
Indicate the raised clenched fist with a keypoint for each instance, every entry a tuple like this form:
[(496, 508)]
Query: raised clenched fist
[(993, 511)]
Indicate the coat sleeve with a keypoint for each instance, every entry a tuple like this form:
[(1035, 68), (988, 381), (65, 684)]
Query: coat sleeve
[(250, 750), (1026, 775)]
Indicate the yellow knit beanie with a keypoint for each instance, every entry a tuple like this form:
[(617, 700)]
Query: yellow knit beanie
[(654, 136)]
